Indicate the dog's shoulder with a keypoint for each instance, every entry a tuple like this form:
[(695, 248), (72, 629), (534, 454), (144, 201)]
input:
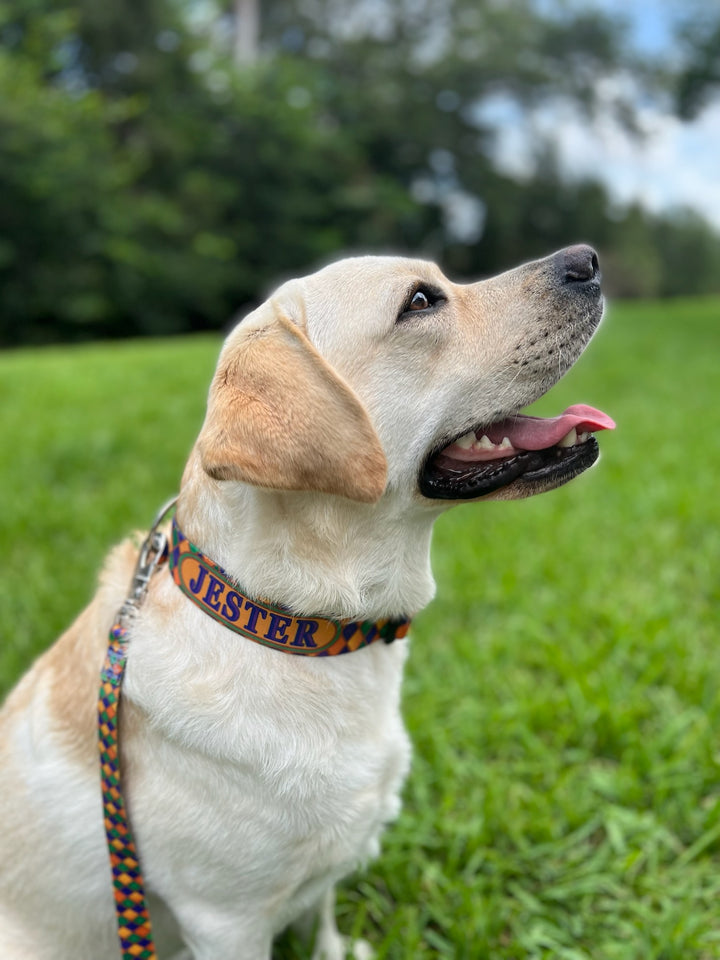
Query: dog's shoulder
[(57, 697)]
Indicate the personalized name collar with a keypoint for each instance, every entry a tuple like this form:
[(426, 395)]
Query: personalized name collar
[(211, 589)]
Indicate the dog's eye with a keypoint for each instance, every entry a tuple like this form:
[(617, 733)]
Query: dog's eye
[(422, 298), (420, 301)]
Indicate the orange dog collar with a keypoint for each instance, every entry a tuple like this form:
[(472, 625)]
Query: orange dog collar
[(211, 589)]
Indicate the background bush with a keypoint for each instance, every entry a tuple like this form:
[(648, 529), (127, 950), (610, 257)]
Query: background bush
[(150, 184)]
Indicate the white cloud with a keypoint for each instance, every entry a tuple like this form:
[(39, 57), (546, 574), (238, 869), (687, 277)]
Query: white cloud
[(672, 164)]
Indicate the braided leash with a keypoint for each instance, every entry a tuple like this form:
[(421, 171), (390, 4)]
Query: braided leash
[(133, 918)]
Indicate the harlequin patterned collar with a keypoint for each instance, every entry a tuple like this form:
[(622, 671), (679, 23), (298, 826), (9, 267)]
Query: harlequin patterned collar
[(211, 589)]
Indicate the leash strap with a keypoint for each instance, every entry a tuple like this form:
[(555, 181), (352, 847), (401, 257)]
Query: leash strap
[(131, 912), (133, 918)]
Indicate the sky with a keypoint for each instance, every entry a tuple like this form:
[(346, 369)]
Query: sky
[(651, 20), (673, 164)]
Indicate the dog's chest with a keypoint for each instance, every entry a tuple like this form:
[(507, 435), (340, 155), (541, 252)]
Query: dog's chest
[(280, 784)]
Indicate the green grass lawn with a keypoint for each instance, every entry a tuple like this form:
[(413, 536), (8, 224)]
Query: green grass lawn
[(562, 692)]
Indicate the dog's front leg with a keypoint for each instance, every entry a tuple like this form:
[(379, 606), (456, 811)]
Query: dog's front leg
[(211, 937), (329, 943)]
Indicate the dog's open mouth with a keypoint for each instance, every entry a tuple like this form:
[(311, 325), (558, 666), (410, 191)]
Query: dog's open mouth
[(535, 452)]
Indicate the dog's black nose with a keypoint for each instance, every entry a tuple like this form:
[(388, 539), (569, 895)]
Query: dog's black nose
[(578, 264)]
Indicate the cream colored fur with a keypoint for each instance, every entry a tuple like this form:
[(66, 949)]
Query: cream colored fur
[(256, 780)]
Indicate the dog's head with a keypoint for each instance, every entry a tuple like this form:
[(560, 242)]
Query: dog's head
[(379, 376)]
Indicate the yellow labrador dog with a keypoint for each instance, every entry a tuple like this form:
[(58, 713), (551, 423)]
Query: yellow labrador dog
[(346, 414)]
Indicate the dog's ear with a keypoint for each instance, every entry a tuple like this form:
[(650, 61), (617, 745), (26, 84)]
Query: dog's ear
[(280, 417)]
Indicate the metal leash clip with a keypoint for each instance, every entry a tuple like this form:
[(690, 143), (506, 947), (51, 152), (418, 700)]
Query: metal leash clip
[(152, 553)]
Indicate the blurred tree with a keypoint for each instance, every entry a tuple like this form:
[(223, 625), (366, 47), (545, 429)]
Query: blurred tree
[(56, 160), (689, 253), (633, 260), (408, 81), (698, 78), (246, 31), (164, 208), (147, 185)]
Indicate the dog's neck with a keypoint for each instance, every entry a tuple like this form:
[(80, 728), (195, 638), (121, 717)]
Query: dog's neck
[(314, 554)]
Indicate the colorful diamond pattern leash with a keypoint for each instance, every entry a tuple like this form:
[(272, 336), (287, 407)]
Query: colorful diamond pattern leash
[(133, 918), (131, 912), (208, 586)]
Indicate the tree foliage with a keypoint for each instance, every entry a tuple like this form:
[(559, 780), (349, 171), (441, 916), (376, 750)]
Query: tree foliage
[(148, 186), (698, 79)]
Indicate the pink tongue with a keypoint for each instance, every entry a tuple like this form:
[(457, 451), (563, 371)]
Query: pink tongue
[(537, 433)]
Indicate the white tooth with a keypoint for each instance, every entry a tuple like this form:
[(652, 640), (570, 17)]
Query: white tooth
[(506, 445), (570, 440), (485, 443), (583, 437), (466, 442)]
